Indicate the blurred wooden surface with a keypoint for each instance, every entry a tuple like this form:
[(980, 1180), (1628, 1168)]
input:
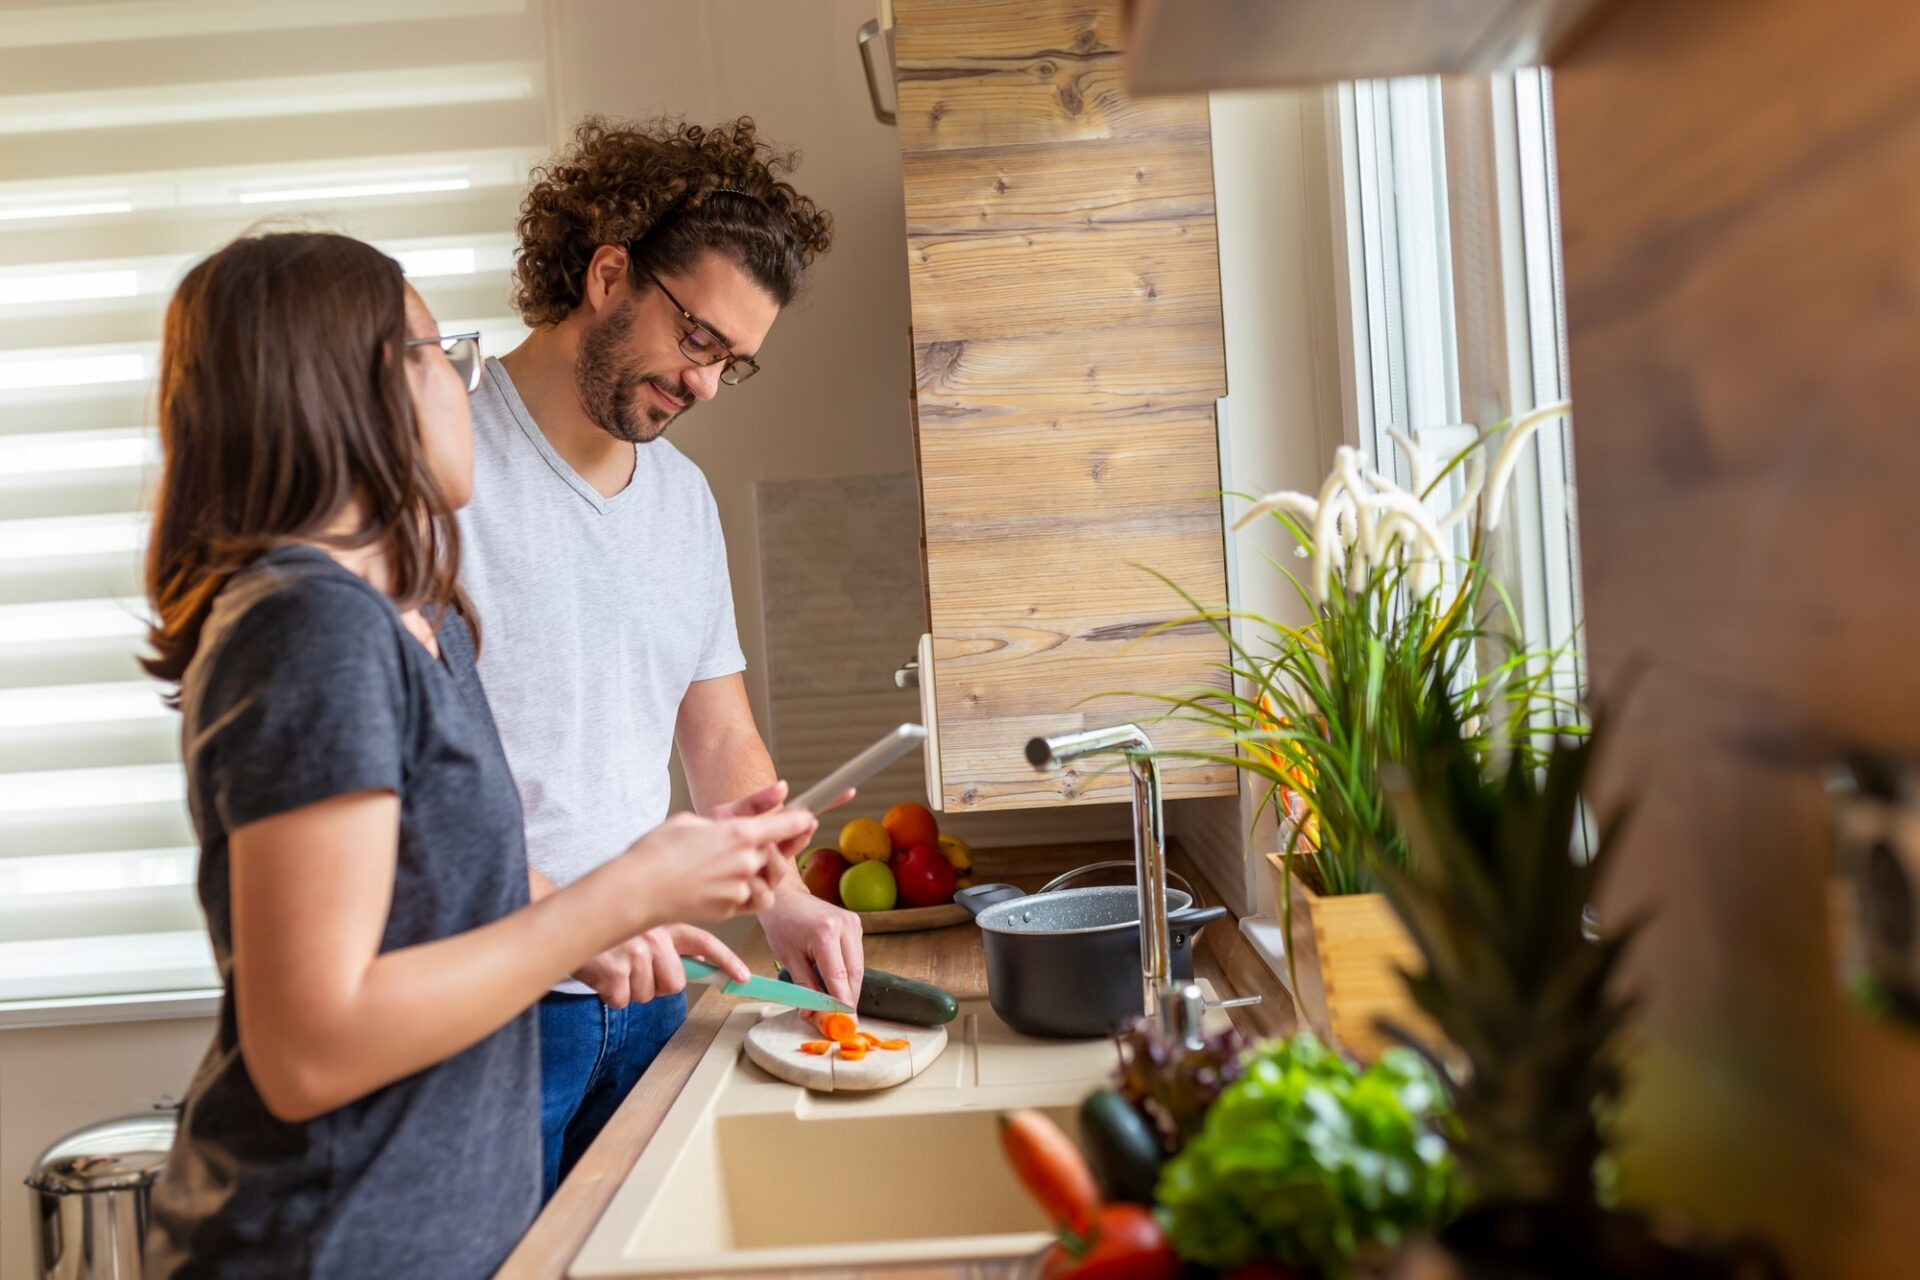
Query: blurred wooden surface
[(950, 958), (1741, 203), (1066, 318), (1184, 46)]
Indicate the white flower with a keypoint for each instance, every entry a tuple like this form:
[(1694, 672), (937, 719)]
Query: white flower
[(1296, 504), (1476, 483), (1419, 468), (1361, 520), (1517, 436)]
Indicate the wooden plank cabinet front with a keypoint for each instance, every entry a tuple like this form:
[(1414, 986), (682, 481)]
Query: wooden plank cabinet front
[(1068, 354)]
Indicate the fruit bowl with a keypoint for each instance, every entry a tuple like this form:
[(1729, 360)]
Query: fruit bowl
[(898, 873), (911, 919)]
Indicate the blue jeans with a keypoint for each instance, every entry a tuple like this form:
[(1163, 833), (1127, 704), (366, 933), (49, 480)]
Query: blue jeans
[(590, 1056)]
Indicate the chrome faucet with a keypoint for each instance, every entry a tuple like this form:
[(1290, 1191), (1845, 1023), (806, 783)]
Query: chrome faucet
[(1149, 841)]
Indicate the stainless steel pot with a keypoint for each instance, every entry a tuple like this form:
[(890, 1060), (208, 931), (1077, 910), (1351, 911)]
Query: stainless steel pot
[(1066, 962), (92, 1191)]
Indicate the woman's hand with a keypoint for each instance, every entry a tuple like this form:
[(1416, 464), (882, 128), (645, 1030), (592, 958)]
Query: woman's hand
[(647, 965), (705, 870)]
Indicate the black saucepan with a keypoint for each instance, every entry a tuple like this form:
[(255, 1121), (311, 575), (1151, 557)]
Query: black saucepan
[(1066, 962)]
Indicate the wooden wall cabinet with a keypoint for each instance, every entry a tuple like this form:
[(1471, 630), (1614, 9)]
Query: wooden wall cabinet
[(1068, 355)]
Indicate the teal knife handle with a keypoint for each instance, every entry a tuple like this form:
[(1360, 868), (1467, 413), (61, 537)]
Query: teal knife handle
[(697, 970)]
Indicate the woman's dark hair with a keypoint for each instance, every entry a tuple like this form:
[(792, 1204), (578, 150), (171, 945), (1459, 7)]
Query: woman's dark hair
[(283, 397), (670, 191)]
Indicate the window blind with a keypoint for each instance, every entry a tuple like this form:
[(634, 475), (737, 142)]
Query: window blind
[(135, 138)]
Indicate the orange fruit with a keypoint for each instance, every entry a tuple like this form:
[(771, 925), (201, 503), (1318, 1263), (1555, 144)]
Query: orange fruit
[(910, 824), (864, 840)]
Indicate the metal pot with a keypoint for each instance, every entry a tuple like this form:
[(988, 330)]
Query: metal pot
[(1066, 962)]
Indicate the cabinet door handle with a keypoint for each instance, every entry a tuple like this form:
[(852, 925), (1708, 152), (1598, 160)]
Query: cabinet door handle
[(869, 32)]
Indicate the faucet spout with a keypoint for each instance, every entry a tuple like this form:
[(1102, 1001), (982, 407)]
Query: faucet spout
[(1149, 840)]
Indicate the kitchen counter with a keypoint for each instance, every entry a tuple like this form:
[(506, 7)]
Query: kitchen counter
[(952, 958)]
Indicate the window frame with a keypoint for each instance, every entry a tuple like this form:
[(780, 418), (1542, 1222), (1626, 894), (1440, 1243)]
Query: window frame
[(1457, 316)]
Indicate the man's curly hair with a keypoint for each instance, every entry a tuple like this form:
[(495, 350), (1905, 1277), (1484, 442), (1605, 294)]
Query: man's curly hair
[(652, 186)]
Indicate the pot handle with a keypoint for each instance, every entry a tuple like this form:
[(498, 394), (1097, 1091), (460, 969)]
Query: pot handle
[(982, 896), (1194, 919), (1068, 877)]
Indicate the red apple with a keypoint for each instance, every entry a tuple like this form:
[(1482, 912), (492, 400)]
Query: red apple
[(820, 872), (926, 878)]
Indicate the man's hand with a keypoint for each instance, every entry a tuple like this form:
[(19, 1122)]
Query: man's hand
[(807, 935), (648, 964), (810, 936)]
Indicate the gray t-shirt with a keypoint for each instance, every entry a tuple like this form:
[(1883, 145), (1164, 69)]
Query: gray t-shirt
[(597, 614), (306, 686)]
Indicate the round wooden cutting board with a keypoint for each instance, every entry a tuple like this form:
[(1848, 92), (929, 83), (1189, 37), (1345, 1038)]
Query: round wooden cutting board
[(773, 1044)]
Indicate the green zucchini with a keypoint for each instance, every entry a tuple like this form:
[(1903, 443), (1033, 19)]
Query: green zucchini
[(892, 998), (1122, 1147)]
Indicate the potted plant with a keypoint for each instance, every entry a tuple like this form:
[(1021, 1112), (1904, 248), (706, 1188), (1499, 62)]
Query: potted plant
[(1398, 613), (1524, 990)]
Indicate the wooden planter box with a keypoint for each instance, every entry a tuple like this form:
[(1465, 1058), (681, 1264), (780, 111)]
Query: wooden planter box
[(1347, 953)]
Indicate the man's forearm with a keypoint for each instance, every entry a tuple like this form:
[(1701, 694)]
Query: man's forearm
[(725, 768)]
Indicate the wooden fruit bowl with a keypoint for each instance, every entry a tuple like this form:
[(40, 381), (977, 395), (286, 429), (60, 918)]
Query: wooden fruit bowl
[(911, 919)]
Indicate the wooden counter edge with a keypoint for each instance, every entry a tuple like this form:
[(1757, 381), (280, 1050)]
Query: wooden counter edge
[(551, 1244)]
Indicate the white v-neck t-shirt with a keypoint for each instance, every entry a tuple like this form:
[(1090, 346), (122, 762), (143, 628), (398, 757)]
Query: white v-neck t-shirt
[(596, 614)]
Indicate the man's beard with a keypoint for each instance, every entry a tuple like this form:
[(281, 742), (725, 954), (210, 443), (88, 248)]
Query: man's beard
[(613, 387)]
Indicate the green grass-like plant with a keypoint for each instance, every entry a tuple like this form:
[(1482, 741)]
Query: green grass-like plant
[(1312, 710)]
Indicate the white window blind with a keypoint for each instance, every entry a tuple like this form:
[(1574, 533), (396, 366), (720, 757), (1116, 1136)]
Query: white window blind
[(135, 138)]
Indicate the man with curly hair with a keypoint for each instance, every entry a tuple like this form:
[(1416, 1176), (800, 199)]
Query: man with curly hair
[(653, 261)]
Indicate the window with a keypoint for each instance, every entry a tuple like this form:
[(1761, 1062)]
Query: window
[(1455, 318), (134, 139)]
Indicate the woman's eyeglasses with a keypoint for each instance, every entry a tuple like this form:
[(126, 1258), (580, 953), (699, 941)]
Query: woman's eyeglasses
[(463, 353)]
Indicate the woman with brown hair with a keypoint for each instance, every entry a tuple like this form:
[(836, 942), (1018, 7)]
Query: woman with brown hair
[(369, 1105)]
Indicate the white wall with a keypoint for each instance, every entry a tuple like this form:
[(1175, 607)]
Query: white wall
[(1282, 416), (54, 1080)]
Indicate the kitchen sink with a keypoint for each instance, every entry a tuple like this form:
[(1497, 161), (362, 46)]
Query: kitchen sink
[(747, 1173)]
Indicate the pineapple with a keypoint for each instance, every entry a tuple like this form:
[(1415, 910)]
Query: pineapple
[(1497, 902)]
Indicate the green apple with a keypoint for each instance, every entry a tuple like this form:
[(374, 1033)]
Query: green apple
[(868, 886)]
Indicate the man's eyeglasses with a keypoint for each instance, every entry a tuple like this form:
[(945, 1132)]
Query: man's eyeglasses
[(701, 346), (463, 353)]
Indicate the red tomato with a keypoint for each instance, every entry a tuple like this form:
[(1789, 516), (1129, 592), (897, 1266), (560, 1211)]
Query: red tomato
[(1126, 1244), (925, 876)]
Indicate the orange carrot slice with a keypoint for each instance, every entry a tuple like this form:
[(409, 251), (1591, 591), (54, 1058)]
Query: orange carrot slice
[(871, 1040), (839, 1026), (893, 1044), (852, 1053), (815, 1046)]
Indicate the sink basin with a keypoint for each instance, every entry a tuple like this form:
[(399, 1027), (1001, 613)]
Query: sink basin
[(747, 1173)]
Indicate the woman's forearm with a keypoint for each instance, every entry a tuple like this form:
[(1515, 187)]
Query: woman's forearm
[(419, 1005)]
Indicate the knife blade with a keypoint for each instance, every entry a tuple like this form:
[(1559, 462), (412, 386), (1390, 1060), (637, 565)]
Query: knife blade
[(757, 988)]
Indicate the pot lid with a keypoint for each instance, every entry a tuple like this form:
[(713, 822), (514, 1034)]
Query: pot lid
[(116, 1154)]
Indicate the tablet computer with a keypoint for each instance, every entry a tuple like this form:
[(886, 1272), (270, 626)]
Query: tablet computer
[(895, 743)]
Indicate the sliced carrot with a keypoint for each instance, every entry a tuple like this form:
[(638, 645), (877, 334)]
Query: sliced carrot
[(853, 1053), (815, 1046), (871, 1040), (839, 1026), (893, 1044)]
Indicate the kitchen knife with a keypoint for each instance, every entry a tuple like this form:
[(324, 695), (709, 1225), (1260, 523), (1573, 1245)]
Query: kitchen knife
[(756, 988)]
